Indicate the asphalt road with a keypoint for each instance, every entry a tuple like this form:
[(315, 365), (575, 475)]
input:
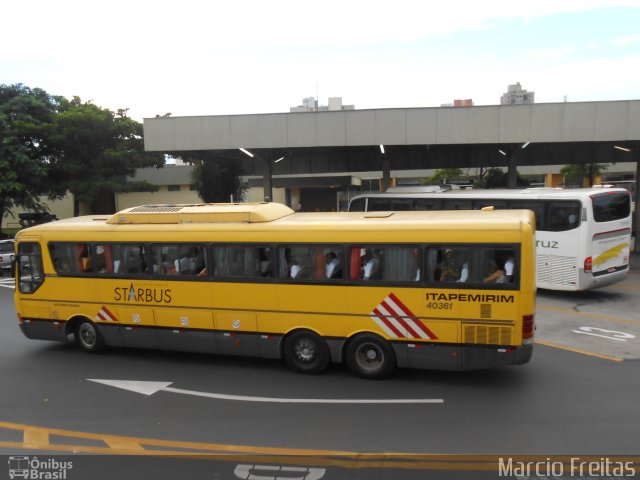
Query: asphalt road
[(579, 395)]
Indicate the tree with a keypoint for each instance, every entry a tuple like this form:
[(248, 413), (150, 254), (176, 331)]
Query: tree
[(574, 174), (215, 179), (96, 150), (25, 153), (496, 178), (443, 175)]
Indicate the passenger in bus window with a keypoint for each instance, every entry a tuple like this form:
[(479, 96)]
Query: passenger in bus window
[(63, 265), (264, 265), (508, 269), (296, 270), (497, 273), (449, 272), (333, 267), (464, 267), (371, 265)]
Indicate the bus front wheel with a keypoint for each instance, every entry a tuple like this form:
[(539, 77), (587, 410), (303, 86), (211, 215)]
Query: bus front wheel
[(370, 356), (88, 338), (306, 352)]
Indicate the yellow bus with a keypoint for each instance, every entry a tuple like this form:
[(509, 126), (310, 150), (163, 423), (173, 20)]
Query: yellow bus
[(376, 290)]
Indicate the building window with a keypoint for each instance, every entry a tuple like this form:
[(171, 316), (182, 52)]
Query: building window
[(173, 188)]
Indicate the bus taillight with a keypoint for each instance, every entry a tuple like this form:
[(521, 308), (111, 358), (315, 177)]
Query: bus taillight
[(588, 263), (527, 328)]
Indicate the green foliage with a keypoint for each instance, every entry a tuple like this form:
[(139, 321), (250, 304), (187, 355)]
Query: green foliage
[(575, 173), (497, 178), (214, 178), (51, 145), (97, 150), (443, 175), (25, 115)]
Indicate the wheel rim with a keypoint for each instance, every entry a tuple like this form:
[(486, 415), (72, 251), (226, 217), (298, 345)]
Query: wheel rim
[(370, 357), (305, 350), (87, 335)]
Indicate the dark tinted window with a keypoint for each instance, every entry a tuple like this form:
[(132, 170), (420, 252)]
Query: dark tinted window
[(611, 206), (535, 206), (456, 204), (379, 204), (401, 204), (427, 204), (358, 205), (563, 215)]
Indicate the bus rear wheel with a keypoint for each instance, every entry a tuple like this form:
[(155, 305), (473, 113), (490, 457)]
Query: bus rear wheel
[(370, 356), (88, 337), (306, 352)]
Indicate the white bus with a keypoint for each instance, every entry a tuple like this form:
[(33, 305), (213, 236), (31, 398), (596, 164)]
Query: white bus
[(583, 235)]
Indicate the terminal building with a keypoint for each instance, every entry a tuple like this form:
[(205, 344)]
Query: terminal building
[(317, 160)]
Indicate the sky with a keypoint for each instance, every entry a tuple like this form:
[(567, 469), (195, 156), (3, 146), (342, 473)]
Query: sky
[(211, 57)]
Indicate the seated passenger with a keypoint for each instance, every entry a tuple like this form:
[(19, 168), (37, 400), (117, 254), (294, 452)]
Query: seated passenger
[(333, 269), (371, 269), (497, 274)]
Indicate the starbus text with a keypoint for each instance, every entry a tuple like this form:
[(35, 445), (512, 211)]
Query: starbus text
[(142, 295)]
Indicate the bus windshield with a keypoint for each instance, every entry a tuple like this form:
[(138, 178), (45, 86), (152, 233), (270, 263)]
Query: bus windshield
[(611, 206)]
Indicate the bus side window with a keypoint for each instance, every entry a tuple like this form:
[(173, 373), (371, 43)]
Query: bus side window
[(563, 216), (358, 205), (499, 265), (387, 264), (102, 259), (62, 255), (536, 206), (449, 265)]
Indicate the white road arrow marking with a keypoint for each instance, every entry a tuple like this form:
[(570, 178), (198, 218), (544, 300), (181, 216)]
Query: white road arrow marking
[(149, 388)]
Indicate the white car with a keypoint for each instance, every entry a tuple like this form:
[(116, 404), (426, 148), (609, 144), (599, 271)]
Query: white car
[(7, 255)]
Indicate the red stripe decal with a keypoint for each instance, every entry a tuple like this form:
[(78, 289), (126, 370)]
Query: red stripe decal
[(388, 323)]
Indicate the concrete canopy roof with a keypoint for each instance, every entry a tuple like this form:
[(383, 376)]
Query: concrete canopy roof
[(414, 138)]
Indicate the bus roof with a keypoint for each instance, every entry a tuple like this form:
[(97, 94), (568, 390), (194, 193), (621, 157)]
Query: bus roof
[(279, 218), (522, 193)]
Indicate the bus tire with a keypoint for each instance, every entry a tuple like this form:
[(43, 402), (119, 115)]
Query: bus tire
[(88, 337), (306, 352), (370, 356)]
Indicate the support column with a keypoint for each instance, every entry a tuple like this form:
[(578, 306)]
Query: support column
[(512, 168), (386, 172), (267, 169)]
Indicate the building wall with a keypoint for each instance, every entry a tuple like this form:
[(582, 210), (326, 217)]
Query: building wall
[(62, 208), (256, 194), (162, 196)]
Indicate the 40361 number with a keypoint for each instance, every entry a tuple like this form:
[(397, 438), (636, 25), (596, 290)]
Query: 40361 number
[(440, 305)]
